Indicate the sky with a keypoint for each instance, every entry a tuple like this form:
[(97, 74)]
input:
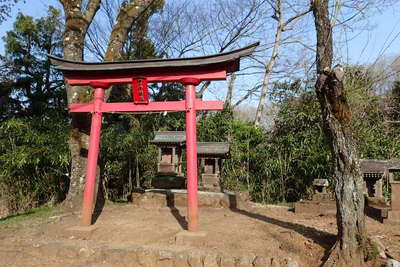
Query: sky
[(382, 39), (34, 8)]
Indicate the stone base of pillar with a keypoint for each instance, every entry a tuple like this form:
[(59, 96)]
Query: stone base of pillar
[(186, 238), (80, 232)]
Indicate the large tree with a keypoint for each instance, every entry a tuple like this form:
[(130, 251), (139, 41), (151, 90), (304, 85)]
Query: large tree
[(78, 18), (33, 121), (336, 117), (28, 84)]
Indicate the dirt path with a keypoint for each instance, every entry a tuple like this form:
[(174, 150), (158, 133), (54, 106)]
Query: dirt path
[(124, 232)]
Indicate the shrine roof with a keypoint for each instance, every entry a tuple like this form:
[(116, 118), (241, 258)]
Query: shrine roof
[(227, 57), (379, 166), (169, 137), (219, 149)]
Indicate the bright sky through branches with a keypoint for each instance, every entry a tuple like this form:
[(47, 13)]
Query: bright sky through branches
[(383, 39)]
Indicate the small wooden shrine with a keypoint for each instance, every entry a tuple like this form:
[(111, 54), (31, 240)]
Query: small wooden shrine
[(169, 167), (373, 172), (211, 155)]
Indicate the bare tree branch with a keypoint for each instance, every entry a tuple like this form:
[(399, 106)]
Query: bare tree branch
[(125, 19)]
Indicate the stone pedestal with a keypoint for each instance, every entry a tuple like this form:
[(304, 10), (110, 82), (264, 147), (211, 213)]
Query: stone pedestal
[(210, 182), (80, 232), (186, 238), (394, 213), (321, 203), (159, 198), (169, 182), (315, 207), (322, 197), (375, 207)]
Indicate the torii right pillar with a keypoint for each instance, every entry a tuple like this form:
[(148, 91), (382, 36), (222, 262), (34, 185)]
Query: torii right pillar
[(191, 152)]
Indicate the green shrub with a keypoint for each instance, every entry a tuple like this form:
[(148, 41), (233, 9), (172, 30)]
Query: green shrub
[(34, 160)]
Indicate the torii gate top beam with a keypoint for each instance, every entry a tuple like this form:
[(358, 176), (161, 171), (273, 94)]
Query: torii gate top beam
[(205, 68)]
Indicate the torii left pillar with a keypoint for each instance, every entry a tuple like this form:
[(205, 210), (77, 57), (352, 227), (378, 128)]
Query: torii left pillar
[(94, 147)]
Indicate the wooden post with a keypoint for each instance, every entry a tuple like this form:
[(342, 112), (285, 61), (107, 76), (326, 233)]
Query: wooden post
[(191, 152), (94, 143)]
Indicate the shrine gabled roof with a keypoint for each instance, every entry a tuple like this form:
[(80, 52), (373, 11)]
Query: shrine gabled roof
[(219, 149), (379, 166), (372, 166), (169, 137), (78, 66)]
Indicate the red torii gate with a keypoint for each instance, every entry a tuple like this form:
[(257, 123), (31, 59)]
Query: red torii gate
[(189, 71)]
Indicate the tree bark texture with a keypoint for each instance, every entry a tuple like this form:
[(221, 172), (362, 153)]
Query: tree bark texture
[(229, 92), (77, 24), (336, 117), (128, 14)]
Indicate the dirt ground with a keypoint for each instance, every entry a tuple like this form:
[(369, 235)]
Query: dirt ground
[(272, 232)]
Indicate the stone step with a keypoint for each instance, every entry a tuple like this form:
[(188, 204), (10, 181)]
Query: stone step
[(146, 257), (178, 198)]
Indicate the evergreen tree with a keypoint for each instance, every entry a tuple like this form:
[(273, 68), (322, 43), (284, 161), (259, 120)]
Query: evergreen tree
[(28, 84)]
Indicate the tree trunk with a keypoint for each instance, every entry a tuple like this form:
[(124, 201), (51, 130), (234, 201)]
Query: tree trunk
[(127, 16), (351, 238), (270, 65), (281, 27), (77, 24), (229, 93), (137, 171)]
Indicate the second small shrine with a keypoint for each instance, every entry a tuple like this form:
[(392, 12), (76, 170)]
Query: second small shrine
[(170, 158), (211, 155), (375, 174)]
